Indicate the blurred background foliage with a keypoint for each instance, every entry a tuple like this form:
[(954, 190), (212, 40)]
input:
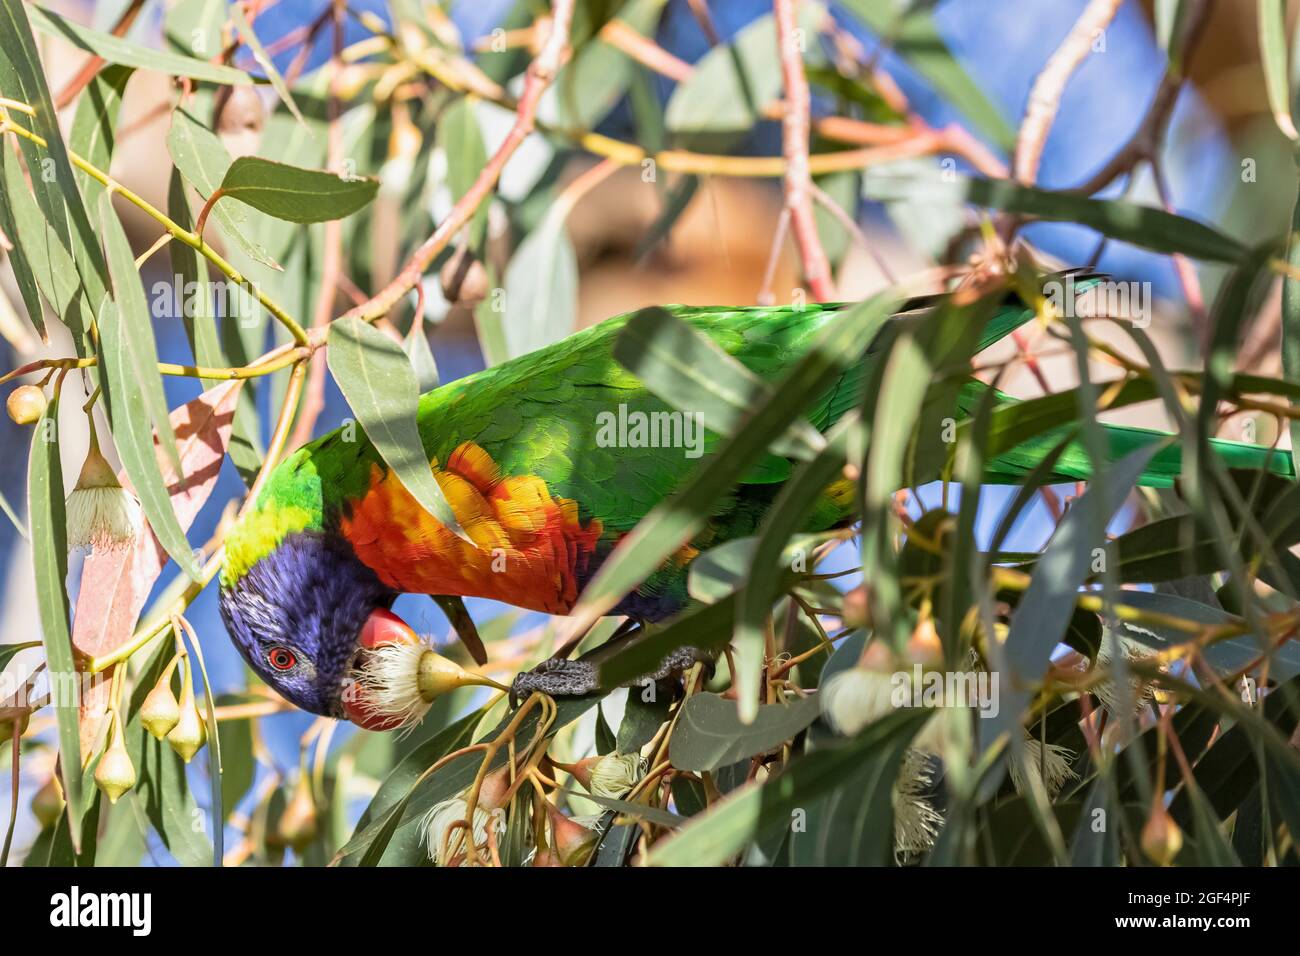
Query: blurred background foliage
[(424, 96)]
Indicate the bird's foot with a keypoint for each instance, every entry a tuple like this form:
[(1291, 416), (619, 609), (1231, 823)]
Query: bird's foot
[(560, 677), (556, 677)]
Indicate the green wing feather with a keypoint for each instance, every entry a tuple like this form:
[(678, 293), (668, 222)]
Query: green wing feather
[(537, 415)]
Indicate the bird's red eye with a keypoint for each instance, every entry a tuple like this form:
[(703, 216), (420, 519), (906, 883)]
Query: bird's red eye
[(281, 658)]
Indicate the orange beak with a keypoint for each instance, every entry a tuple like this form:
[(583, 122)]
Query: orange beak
[(382, 628)]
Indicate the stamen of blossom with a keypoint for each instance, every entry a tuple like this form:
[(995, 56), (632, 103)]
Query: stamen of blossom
[(101, 514), (856, 697), (400, 681), (445, 832), (390, 683), (1052, 765), (1139, 693), (615, 774), (916, 821)]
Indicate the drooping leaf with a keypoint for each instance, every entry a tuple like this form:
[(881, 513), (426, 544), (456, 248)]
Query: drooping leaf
[(709, 735), (644, 714), (1119, 219), (133, 433), (55, 188), (733, 82), (203, 160), (264, 60), (1272, 48), (117, 50), (541, 289), (193, 27), (24, 276), (376, 378), (1043, 615), (460, 139), (416, 347), (45, 498), (597, 77), (139, 357), (763, 808), (95, 122), (295, 194), (914, 36), (39, 253)]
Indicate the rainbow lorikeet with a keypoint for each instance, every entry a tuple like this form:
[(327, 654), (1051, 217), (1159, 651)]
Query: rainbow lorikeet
[(313, 567)]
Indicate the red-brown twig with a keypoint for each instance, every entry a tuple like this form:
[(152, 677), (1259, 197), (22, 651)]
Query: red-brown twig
[(332, 261), (700, 10), (540, 74), (841, 129), (1045, 97), (794, 140), (1145, 141), (92, 65)]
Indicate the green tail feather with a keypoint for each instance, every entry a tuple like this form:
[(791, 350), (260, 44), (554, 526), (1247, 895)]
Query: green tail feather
[(1075, 464)]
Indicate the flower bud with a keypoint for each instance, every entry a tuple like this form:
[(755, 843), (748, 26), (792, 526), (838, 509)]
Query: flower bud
[(494, 793), (299, 823), (240, 119), (241, 112), (47, 805), (11, 717), (856, 610), (190, 732), (115, 774), (26, 404), (545, 856), (924, 646), (573, 843), (160, 711), (1161, 836)]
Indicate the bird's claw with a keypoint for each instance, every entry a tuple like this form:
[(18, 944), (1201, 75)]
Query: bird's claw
[(561, 677), (556, 677)]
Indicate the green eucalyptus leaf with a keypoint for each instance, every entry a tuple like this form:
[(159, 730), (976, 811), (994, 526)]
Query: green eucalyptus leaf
[(376, 378), (295, 194), (203, 160), (45, 505), (124, 52), (709, 734)]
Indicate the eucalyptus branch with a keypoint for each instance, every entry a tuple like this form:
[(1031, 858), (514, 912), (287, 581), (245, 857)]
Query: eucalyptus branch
[(540, 73), (794, 141), (162, 618), (1145, 141), (1045, 96), (271, 362), (332, 265), (191, 239)]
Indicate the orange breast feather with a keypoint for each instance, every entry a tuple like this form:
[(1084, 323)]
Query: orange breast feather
[(530, 548)]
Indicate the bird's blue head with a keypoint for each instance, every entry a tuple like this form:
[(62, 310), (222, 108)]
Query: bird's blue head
[(300, 616)]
